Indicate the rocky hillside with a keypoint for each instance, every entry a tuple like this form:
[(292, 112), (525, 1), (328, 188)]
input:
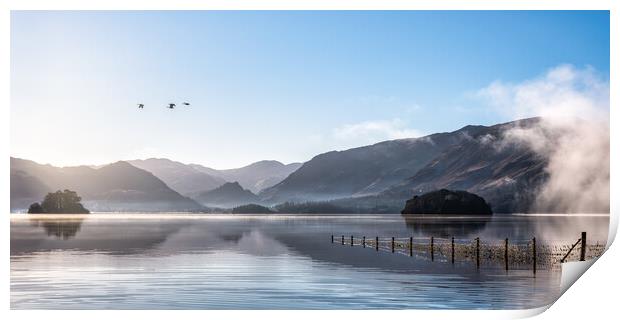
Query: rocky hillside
[(383, 176)]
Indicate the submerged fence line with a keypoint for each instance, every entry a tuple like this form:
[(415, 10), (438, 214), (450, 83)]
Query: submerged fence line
[(514, 254)]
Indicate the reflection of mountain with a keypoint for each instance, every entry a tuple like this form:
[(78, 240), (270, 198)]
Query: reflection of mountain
[(114, 187), (445, 226), (64, 229), (108, 236)]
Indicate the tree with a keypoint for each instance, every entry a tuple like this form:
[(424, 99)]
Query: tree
[(35, 208), (66, 201)]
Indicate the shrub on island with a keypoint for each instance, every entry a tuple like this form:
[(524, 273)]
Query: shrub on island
[(251, 208), (447, 202), (66, 201)]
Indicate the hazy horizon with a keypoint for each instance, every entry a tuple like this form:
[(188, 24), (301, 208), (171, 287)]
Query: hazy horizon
[(227, 168), (279, 85)]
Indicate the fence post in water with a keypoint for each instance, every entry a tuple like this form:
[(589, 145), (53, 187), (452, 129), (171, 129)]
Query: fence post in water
[(452, 250), (432, 249), (343, 240), (392, 244), (332, 238), (410, 246), (583, 247), (478, 252), (534, 254), (506, 253), (351, 241), (364, 241), (377, 243)]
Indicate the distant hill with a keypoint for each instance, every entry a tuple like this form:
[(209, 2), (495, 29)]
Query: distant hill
[(256, 176), (115, 187), (506, 175), (378, 178), (26, 189), (381, 177), (183, 178), (362, 171), (193, 179), (228, 195)]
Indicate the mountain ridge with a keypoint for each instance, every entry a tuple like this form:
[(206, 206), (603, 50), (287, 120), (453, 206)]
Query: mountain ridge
[(228, 195), (118, 186)]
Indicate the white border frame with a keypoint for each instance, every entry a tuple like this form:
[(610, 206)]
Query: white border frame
[(593, 296)]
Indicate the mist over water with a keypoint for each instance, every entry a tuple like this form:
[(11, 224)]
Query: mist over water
[(573, 135)]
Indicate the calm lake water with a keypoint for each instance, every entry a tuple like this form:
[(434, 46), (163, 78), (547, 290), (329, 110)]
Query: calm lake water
[(192, 261)]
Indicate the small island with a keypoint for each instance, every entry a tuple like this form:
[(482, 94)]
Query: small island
[(251, 208), (66, 201), (447, 202)]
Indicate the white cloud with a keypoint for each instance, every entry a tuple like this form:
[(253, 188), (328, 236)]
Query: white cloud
[(564, 91), (573, 135), (369, 132)]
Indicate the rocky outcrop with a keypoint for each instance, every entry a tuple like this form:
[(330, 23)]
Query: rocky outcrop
[(447, 202)]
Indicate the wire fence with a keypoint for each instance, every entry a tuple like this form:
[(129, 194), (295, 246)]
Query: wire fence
[(511, 254)]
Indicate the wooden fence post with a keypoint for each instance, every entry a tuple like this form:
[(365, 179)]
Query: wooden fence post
[(364, 241), (452, 250), (582, 257), (332, 238), (506, 253), (377, 243), (343, 240), (410, 246), (432, 249), (351, 241), (392, 244), (478, 252), (534, 254)]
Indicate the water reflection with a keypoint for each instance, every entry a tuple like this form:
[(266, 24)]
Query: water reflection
[(63, 229), (445, 226), (198, 262)]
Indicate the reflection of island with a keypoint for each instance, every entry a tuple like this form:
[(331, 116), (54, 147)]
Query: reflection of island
[(64, 229), (445, 226)]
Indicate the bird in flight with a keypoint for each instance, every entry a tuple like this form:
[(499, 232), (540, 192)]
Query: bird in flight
[(140, 105), (171, 105), (186, 103)]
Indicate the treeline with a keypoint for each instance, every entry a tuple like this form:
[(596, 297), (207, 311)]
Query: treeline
[(312, 207), (293, 207), (251, 208)]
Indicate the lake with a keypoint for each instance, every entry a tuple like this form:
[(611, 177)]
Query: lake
[(206, 261)]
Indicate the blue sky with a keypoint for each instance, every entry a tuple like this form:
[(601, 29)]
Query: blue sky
[(271, 85)]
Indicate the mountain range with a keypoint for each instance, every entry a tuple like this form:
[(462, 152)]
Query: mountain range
[(115, 187), (194, 179), (386, 174), (382, 175)]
